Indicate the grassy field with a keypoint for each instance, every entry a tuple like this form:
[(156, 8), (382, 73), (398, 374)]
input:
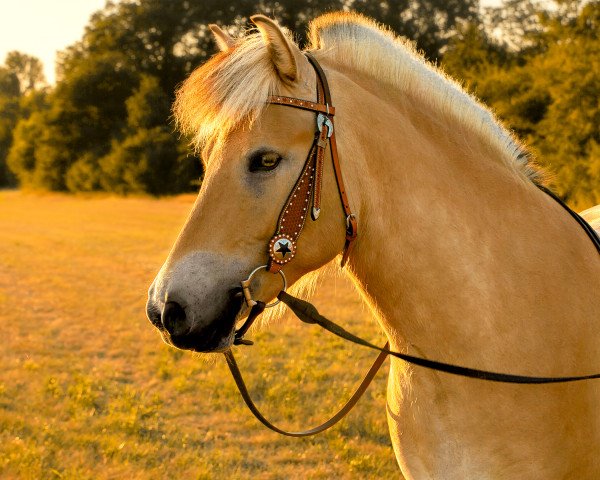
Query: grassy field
[(88, 389)]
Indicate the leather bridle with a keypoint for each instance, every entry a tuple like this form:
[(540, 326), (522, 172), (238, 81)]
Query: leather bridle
[(306, 194), (305, 197)]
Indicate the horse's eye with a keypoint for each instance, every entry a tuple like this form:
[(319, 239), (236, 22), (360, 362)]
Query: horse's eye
[(264, 161)]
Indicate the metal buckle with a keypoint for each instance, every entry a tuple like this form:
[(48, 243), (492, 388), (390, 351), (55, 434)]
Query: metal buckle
[(325, 120), (246, 287), (349, 227)]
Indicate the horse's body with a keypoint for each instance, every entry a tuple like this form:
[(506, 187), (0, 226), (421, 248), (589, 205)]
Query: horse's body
[(461, 257), (592, 216)]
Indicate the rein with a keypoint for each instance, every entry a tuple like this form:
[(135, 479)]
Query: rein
[(306, 196)]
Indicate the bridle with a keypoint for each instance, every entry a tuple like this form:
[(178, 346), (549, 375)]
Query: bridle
[(305, 197)]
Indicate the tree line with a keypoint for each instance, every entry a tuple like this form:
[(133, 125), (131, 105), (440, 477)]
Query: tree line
[(105, 124)]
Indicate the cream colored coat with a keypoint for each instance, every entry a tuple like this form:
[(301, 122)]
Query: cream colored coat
[(460, 256)]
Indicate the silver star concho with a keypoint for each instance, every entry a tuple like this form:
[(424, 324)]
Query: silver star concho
[(282, 249)]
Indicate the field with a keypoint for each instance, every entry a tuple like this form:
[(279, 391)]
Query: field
[(89, 391)]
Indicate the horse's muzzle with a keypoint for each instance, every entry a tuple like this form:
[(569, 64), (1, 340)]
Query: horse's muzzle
[(179, 330)]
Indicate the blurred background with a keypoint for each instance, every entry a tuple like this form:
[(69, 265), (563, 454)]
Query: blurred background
[(98, 120), (95, 185)]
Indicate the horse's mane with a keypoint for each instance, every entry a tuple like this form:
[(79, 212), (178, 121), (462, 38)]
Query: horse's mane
[(232, 88)]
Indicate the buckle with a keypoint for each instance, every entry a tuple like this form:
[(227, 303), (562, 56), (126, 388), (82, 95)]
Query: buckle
[(350, 223), (325, 120)]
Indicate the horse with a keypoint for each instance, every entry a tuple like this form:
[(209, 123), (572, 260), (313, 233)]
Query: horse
[(459, 255)]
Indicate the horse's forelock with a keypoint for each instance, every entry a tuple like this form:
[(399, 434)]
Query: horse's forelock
[(229, 90)]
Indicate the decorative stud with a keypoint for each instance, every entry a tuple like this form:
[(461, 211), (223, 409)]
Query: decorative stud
[(282, 248)]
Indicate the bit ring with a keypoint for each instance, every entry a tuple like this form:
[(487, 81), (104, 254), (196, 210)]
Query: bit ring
[(246, 287)]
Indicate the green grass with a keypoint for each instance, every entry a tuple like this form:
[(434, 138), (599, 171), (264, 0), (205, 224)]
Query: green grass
[(88, 389)]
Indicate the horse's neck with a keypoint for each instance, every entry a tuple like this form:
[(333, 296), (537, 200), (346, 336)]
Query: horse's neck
[(455, 249)]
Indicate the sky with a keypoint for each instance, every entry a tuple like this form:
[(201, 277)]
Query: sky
[(43, 27)]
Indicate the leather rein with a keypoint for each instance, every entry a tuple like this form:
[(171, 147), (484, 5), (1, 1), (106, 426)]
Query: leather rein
[(305, 197)]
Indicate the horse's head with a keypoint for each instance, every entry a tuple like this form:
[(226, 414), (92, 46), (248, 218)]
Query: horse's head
[(253, 155)]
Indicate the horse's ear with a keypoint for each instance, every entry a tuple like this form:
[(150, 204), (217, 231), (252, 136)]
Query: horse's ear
[(223, 40), (285, 54)]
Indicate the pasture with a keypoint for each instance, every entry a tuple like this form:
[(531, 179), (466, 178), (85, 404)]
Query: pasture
[(89, 391)]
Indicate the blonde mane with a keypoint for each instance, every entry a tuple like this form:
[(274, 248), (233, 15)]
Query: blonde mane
[(232, 88)]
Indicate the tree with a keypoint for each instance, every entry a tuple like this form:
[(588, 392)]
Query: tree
[(546, 88), (84, 175), (9, 114), (149, 158), (9, 83), (149, 106), (569, 134), (116, 84), (106, 123), (21, 156), (430, 23), (143, 162), (516, 24), (19, 78), (9, 108), (471, 53), (28, 69)]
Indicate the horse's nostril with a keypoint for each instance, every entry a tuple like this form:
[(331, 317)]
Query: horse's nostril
[(153, 314), (173, 319)]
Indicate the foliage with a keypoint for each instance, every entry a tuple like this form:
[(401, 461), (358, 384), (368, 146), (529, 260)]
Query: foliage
[(9, 106), (149, 106), (9, 83), (28, 70), (148, 158), (21, 158), (19, 78), (430, 23), (569, 133), (105, 125), (547, 91), (142, 162), (84, 174), (518, 21)]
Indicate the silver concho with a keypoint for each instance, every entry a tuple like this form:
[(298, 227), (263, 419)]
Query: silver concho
[(323, 120), (282, 249)]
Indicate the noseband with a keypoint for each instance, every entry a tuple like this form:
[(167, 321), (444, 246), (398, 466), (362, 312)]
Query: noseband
[(305, 197)]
